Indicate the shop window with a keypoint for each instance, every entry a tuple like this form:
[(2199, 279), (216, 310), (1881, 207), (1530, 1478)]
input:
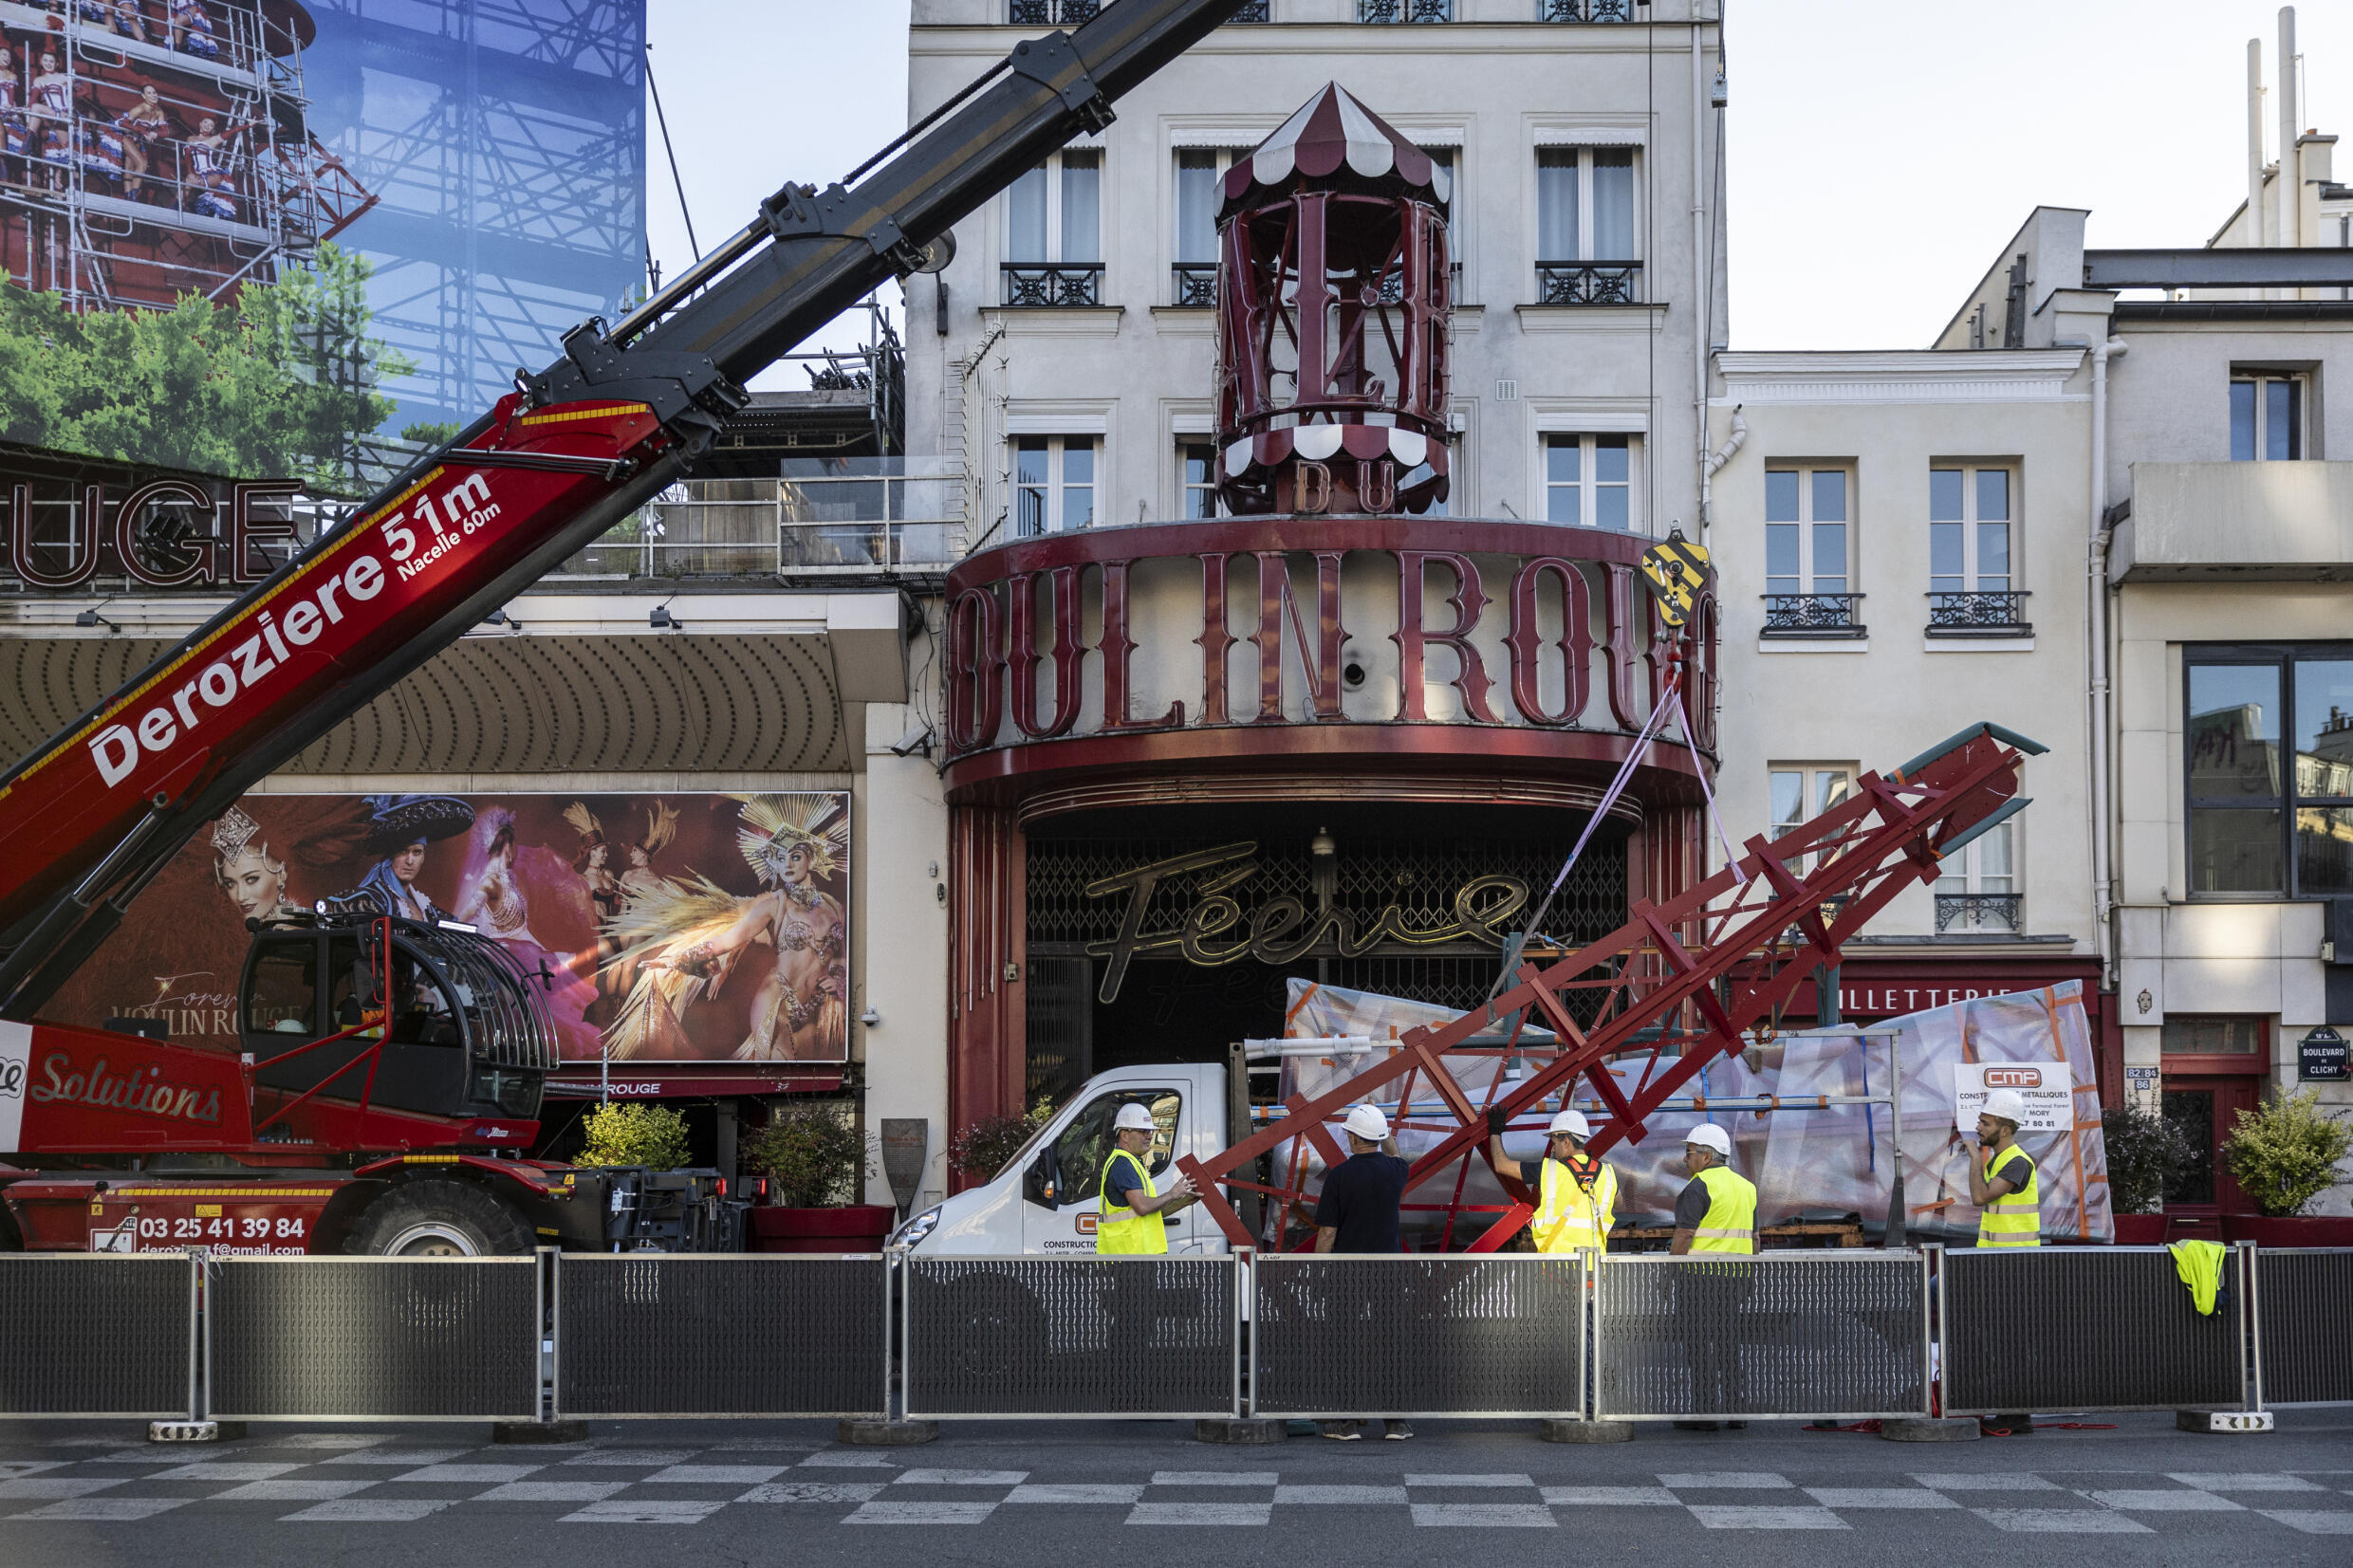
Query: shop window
[(1196, 464), (1079, 1152), (2260, 823), (1053, 484), (1586, 246), (2188, 1034), (1977, 884), (2266, 416), (1053, 231), (1802, 791), (1970, 588), (1808, 583), (1589, 481)]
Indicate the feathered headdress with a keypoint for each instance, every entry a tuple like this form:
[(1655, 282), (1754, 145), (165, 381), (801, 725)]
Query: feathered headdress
[(661, 825), (773, 825), (584, 821)]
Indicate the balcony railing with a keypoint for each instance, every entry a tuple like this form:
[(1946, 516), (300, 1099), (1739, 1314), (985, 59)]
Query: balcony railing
[(1588, 282), (1195, 284), (1053, 283), (824, 517), (1814, 616), (1584, 11), (1405, 11), (1051, 13), (1978, 615), (1251, 11), (1980, 912)]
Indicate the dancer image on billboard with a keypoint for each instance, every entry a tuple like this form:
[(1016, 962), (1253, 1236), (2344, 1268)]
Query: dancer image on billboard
[(398, 829), (688, 940), (254, 879), (493, 899)]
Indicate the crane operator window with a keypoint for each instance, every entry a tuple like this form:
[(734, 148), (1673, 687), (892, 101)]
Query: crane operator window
[(284, 998)]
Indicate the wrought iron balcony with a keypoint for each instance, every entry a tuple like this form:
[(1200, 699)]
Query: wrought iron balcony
[(1995, 615), (1393, 285), (1053, 283), (1251, 11), (1405, 11), (1588, 282), (1197, 284), (1584, 11), (1813, 615), (1980, 911), (1051, 13)]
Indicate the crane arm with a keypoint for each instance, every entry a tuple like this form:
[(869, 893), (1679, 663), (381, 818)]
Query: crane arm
[(89, 816)]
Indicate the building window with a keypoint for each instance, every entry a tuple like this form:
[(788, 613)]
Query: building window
[(2266, 417), (1585, 247), (1053, 484), (1053, 231), (1802, 791), (2257, 826), (1971, 591), (1977, 884), (1405, 11), (1196, 461), (1589, 481), (1201, 190), (1807, 585), (1584, 11), (2190, 1035)]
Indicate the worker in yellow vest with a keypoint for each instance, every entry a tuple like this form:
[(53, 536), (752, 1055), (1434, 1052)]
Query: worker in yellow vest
[(1576, 1192), (1714, 1216), (1132, 1215), (2003, 1182)]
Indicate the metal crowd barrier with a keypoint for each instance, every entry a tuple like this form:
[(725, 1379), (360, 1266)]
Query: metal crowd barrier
[(373, 1338), (687, 1334), (1152, 1336), (1838, 1334), (1418, 1335), (2302, 1354), (93, 1335), (2107, 1328)]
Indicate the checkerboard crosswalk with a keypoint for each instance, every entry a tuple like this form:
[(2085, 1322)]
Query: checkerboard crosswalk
[(341, 1478)]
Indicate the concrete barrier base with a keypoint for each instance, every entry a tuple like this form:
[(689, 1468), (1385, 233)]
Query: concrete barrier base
[(194, 1431), (1268, 1429), (1930, 1428), (884, 1434), (1585, 1431), (525, 1433), (2220, 1422)]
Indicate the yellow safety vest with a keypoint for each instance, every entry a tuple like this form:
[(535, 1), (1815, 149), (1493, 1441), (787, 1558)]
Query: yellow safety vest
[(1730, 1225), (2015, 1220), (1119, 1230), (1568, 1217)]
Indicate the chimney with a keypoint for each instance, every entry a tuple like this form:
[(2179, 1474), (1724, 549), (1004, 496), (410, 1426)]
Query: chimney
[(2254, 143), (2290, 184)]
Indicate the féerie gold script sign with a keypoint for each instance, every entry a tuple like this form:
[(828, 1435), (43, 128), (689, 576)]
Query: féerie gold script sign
[(1218, 930)]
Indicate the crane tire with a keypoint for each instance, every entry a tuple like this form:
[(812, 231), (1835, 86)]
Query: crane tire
[(439, 1219)]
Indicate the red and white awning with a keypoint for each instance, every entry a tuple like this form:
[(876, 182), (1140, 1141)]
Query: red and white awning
[(1332, 132)]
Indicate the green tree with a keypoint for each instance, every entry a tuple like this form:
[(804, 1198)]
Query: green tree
[(636, 1132), (273, 384)]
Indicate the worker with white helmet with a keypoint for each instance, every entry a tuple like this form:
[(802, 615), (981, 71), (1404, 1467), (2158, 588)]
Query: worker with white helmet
[(1357, 1211), (2002, 1178), (1715, 1215), (1576, 1192), (1131, 1215)]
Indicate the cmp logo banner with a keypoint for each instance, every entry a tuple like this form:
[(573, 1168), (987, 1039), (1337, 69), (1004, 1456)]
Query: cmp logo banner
[(15, 1063), (2046, 1087)]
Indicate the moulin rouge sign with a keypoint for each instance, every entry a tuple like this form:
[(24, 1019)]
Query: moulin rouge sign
[(1518, 610), (160, 533)]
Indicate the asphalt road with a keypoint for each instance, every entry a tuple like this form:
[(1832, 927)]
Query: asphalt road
[(1018, 1493)]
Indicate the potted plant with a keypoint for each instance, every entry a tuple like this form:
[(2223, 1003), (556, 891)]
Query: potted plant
[(815, 1160), (985, 1147), (2145, 1154), (2284, 1153), (634, 1132)]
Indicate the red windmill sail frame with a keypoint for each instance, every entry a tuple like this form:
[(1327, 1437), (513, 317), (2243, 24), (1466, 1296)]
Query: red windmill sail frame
[(1704, 967)]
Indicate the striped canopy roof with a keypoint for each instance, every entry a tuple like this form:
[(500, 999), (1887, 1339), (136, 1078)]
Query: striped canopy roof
[(1336, 143)]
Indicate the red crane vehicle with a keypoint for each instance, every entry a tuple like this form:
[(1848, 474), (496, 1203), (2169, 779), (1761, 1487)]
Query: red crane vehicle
[(389, 1070)]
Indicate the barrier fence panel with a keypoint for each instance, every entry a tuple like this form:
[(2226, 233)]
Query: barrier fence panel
[(98, 1335), (647, 1334), (2078, 1328), (372, 1338), (1831, 1334), (1072, 1336), (2302, 1354), (1418, 1335)]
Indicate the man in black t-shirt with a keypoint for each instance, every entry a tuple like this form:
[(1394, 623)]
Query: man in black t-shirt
[(1357, 1213)]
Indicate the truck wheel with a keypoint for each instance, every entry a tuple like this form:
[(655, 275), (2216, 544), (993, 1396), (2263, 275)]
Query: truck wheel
[(438, 1219)]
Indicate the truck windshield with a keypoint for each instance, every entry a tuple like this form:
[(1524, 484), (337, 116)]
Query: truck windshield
[(1086, 1143)]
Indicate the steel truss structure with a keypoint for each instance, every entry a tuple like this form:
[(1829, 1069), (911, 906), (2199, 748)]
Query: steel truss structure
[(1680, 985)]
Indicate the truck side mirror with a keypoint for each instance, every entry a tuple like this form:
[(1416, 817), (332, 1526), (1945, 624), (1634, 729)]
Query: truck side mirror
[(1040, 1183)]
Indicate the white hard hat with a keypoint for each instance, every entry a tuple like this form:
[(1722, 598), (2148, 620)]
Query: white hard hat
[(1571, 1122), (1708, 1135), (2007, 1104), (1367, 1122), (1134, 1116)]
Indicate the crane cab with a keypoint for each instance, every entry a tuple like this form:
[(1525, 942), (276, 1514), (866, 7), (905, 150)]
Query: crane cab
[(464, 1030)]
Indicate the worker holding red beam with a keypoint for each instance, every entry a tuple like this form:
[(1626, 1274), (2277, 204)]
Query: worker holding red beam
[(1576, 1192)]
